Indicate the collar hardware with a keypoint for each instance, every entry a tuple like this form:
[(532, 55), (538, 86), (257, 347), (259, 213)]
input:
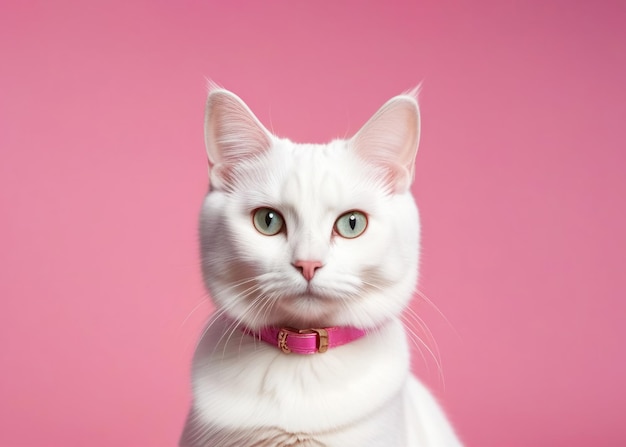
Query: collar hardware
[(306, 341), (321, 338)]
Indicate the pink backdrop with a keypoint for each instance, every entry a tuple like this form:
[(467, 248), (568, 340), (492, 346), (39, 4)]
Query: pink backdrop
[(520, 179)]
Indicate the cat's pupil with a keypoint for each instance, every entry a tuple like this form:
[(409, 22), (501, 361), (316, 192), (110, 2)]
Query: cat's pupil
[(352, 221), (269, 217)]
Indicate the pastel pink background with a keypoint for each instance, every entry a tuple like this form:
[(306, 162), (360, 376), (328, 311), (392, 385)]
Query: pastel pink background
[(520, 180)]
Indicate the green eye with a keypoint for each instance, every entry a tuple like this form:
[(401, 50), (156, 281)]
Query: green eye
[(268, 221), (351, 224)]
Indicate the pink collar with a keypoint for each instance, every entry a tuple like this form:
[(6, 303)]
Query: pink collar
[(307, 341)]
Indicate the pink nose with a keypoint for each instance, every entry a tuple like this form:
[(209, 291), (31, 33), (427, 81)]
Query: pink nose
[(307, 268)]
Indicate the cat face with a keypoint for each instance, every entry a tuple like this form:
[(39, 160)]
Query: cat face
[(310, 235)]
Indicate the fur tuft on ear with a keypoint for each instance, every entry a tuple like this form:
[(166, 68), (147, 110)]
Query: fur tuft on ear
[(232, 134), (389, 140)]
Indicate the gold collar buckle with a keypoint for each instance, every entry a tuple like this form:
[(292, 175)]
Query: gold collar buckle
[(321, 339)]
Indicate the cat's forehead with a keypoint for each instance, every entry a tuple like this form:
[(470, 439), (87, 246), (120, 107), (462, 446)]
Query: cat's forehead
[(313, 175), (327, 174)]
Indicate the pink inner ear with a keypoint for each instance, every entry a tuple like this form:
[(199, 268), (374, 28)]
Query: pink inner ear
[(221, 174), (389, 140), (398, 178), (232, 134)]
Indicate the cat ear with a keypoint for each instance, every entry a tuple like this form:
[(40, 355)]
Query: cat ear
[(389, 140), (232, 134)]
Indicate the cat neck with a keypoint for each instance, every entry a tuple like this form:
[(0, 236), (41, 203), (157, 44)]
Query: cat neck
[(307, 341)]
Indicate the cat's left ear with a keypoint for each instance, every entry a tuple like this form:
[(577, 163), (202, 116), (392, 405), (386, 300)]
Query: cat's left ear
[(232, 134), (389, 140)]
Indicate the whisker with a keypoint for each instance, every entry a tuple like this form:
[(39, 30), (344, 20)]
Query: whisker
[(414, 326), (202, 302), (232, 327), (428, 301), (420, 343)]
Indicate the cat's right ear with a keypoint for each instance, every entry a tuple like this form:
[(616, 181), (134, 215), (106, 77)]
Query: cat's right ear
[(232, 134)]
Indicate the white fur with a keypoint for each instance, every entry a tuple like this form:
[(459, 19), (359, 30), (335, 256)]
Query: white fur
[(248, 393)]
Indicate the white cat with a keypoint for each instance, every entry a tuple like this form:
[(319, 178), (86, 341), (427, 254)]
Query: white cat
[(310, 254)]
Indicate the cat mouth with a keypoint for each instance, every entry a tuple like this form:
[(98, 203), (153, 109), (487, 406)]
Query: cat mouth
[(309, 297), (315, 293), (308, 305)]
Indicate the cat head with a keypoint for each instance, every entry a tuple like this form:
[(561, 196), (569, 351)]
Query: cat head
[(310, 235)]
